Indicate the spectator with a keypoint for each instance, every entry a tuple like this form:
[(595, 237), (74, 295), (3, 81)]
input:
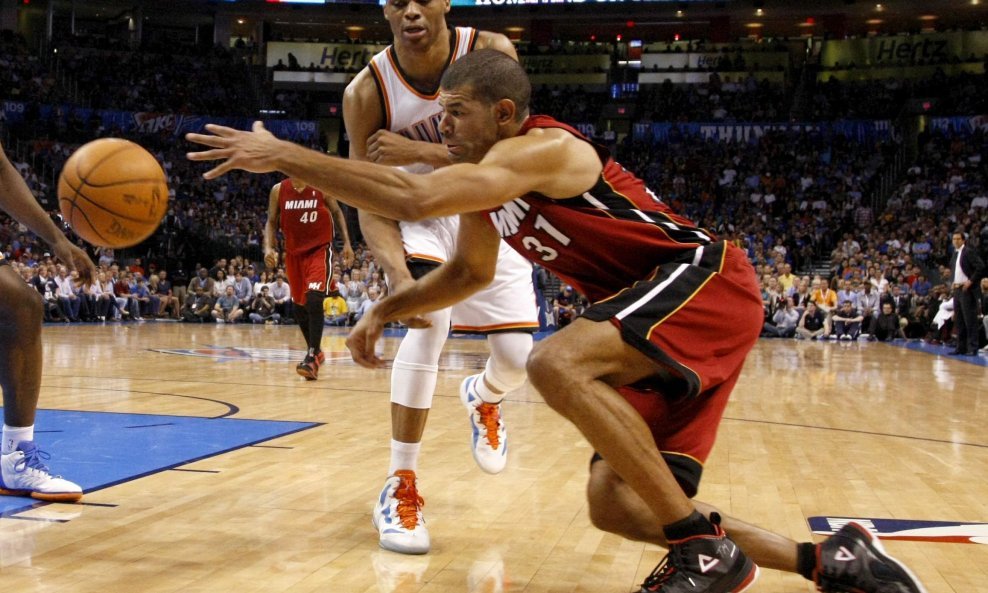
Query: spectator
[(163, 290), (281, 292), (811, 324), (262, 308), (784, 321), (68, 302), (564, 306), (198, 307), (847, 322), (227, 308), (242, 289), (335, 311), (203, 281), (888, 325)]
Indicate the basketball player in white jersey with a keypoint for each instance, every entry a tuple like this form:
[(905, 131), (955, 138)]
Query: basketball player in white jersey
[(391, 112)]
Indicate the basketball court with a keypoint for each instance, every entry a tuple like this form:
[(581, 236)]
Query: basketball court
[(209, 465)]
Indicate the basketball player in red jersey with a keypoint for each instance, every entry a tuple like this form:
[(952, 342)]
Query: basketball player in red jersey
[(22, 468), (646, 372), (392, 112), (305, 216)]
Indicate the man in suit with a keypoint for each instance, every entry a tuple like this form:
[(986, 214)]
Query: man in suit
[(966, 270)]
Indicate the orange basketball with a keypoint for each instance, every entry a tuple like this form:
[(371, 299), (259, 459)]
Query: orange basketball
[(113, 193)]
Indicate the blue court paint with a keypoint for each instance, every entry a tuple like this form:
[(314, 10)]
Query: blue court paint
[(908, 529), (980, 359), (100, 449)]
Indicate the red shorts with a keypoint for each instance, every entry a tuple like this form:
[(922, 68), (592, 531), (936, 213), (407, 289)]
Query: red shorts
[(697, 317), (309, 270)]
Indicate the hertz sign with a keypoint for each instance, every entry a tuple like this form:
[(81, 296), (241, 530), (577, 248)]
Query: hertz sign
[(905, 49)]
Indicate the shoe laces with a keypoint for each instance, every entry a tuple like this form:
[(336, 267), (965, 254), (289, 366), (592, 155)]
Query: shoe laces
[(34, 458), (669, 566), (666, 569), (490, 417), (409, 500)]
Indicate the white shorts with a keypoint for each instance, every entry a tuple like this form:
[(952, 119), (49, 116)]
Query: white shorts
[(507, 304)]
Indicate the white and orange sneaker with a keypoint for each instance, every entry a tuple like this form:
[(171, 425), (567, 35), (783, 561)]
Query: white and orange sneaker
[(398, 515), (489, 439), (24, 473)]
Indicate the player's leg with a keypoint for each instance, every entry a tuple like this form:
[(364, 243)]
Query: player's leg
[(319, 268), (615, 508), (482, 395), (850, 560), (663, 331), (398, 511), (507, 313), (22, 470)]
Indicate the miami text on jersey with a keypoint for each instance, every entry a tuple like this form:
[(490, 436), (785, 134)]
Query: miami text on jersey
[(301, 204)]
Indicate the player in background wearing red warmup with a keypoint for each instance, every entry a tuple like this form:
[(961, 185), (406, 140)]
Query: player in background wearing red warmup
[(22, 468), (305, 216)]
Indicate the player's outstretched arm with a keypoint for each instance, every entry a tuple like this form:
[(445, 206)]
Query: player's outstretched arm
[(17, 200), (470, 269), (551, 162)]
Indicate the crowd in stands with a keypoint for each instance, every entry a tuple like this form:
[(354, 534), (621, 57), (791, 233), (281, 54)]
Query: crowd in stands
[(961, 94), (788, 192), (214, 82), (231, 291), (790, 198)]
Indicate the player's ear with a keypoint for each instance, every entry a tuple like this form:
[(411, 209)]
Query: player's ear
[(446, 6), (505, 111)]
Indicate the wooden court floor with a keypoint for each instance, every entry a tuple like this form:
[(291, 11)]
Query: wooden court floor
[(814, 429)]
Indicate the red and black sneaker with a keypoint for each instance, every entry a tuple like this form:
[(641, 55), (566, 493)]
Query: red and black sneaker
[(853, 560), (308, 368), (703, 564), (321, 357)]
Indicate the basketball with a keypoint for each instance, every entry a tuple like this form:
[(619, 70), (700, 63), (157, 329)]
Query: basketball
[(113, 193)]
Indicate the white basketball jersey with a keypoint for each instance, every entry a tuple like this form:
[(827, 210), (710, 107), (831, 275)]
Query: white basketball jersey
[(408, 111), (508, 303)]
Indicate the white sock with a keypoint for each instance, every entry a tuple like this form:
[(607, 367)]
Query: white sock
[(404, 456), (486, 393), (14, 435)]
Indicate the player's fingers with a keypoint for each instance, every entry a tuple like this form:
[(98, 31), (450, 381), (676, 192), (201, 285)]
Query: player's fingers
[(258, 126), (218, 171), (208, 155), (207, 140), (221, 130)]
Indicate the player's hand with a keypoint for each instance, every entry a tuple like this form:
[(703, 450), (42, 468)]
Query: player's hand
[(388, 148), (362, 338), (271, 259), (255, 151), (348, 255), (76, 259)]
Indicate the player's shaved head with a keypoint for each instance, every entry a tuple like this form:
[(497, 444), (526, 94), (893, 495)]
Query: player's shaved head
[(491, 76)]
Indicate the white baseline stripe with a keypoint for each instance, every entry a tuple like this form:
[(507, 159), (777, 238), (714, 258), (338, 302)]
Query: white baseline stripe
[(652, 293)]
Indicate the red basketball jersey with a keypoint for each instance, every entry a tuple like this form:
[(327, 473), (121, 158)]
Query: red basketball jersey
[(613, 235), (305, 220)]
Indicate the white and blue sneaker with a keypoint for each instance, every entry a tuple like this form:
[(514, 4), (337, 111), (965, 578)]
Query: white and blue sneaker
[(24, 473), (398, 517), (489, 440)]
